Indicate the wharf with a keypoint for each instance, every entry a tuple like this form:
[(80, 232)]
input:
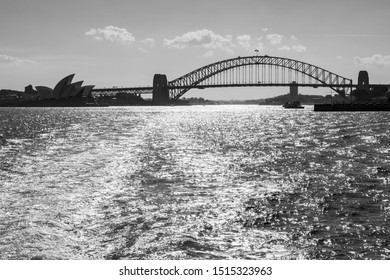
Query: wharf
[(352, 107)]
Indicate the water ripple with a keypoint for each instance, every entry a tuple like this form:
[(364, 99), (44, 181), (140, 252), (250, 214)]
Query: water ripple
[(201, 182)]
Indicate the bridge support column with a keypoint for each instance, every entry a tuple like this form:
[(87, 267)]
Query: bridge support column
[(293, 91), (160, 89), (361, 94), (363, 81)]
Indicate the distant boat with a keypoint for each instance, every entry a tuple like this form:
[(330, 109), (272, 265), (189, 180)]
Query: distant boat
[(293, 105)]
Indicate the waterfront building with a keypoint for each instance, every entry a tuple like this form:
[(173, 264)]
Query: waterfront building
[(64, 89)]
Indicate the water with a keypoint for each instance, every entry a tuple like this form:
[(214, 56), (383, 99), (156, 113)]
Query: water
[(200, 182)]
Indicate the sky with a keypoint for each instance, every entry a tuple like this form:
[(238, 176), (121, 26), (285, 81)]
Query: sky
[(123, 43)]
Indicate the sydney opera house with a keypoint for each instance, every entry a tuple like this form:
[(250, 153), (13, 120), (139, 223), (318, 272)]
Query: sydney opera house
[(65, 94), (64, 90)]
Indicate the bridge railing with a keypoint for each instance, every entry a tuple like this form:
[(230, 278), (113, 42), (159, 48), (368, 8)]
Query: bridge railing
[(114, 91)]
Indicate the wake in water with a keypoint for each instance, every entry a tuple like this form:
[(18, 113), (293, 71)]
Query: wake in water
[(216, 182)]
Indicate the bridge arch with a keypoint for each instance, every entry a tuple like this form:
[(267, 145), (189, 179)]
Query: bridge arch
[(262, 71)]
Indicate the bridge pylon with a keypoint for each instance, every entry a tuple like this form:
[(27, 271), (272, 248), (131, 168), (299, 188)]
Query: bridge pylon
[(160, 89), (293, 91), (363, 81)]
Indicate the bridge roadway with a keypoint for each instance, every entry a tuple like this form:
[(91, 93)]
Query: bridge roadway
[(149, 90), (114, 90)]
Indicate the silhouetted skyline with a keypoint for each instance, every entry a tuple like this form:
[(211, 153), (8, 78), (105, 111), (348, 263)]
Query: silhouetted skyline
[(124, 43)]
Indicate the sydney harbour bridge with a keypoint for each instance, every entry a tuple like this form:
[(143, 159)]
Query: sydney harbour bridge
[(250, 71)]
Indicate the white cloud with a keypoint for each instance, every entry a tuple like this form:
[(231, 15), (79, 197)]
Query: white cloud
[(275, 38), (294, 38), (11, 60), (375, 60), (299, 48), (285, 48), (244, 41), (295, 48), (149, 42), (201, 38), (112, 33), (8, 59), (209, 53), (362, 35), (265, 29)]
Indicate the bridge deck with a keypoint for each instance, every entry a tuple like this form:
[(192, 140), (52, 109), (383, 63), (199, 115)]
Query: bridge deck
[(149, 90)]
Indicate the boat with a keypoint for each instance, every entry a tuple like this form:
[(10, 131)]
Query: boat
[(293, 105)]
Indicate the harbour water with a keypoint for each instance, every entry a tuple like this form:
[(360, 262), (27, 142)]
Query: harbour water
[(199, 182)]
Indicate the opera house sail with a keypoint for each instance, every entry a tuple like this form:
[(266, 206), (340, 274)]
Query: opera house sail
[(64, 93)]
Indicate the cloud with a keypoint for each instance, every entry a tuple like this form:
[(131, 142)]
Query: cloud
[(375, 60), (209, 53), (265, 29), (295, 48), (244, 41), (146, 44), (201, 38), (275, 39), (112, 33), (285, 48), (294, 38), (357, 35), (299, 48), (11, 60), (149, 42)]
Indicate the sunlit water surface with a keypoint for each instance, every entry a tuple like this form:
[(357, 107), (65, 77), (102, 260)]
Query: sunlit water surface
[(200, 182)]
